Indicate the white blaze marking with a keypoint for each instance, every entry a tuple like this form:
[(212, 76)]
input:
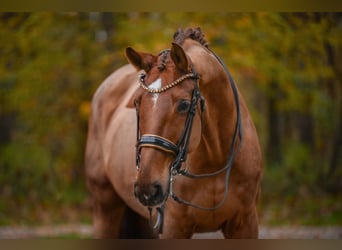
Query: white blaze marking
[(155, 85)]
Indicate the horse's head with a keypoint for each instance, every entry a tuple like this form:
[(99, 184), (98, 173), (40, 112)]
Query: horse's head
[(168, 94)]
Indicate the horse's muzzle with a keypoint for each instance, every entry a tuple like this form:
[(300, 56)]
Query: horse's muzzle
[(149, 195)]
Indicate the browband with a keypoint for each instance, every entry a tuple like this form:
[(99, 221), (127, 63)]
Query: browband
[(170, 85)]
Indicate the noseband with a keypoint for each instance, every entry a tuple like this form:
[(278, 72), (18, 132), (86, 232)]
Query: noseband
[(179, 150)]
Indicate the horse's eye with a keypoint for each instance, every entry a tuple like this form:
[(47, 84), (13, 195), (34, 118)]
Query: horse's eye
[(183, 106)]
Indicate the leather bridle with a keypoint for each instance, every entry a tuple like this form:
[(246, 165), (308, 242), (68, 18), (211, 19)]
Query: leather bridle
[(179, 150)]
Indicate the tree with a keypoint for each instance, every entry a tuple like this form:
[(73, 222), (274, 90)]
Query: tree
[(287, 65)]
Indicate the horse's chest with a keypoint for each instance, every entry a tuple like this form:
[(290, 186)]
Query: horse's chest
[(208, 221), (205, 194)]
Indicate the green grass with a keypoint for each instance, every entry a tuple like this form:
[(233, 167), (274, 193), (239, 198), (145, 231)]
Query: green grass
[(71, 206), (306, 211)]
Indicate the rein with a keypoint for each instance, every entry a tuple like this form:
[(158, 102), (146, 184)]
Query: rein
[(227, 168), (179, 150)]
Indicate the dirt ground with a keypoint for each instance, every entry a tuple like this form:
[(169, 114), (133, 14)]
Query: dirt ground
[(85, 231)]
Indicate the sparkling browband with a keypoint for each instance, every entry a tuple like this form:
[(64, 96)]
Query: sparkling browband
[(162, 89)]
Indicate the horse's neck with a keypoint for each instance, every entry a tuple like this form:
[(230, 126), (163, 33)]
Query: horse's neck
[(219, 121), (220, 111)]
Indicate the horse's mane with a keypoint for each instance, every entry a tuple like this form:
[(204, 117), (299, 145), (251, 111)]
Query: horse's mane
[(179, 36), (194, 34)]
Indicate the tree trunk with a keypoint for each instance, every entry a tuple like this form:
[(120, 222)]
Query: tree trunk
[(273, 120)]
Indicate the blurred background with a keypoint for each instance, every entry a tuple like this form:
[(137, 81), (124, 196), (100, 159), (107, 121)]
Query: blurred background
[(288, 67)]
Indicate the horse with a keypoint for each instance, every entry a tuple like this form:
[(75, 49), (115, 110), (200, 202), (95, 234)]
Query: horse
[(172, 149)]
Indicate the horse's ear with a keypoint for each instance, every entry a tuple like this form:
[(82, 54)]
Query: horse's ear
[(179, 58), (140, 60)]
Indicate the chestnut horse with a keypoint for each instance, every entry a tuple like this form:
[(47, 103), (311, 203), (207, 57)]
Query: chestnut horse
[(168, 134)]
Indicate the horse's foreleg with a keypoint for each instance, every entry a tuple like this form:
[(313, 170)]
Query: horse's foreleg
[(243, 226), (176, 226), (135, 226), (108, 210)]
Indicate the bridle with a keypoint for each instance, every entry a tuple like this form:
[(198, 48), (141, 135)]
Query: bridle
[(179, 150)]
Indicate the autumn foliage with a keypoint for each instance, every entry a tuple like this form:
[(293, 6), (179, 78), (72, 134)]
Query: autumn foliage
[(287, 65)]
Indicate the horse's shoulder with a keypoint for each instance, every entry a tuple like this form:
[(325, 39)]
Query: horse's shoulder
[(112, 90), (104, 105), (118, 80)]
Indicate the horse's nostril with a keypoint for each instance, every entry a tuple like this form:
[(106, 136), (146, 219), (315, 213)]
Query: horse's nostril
[(149, 195), (157, 190)]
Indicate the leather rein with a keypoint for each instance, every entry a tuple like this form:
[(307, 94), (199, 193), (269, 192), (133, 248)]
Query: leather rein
[(179, 150)]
